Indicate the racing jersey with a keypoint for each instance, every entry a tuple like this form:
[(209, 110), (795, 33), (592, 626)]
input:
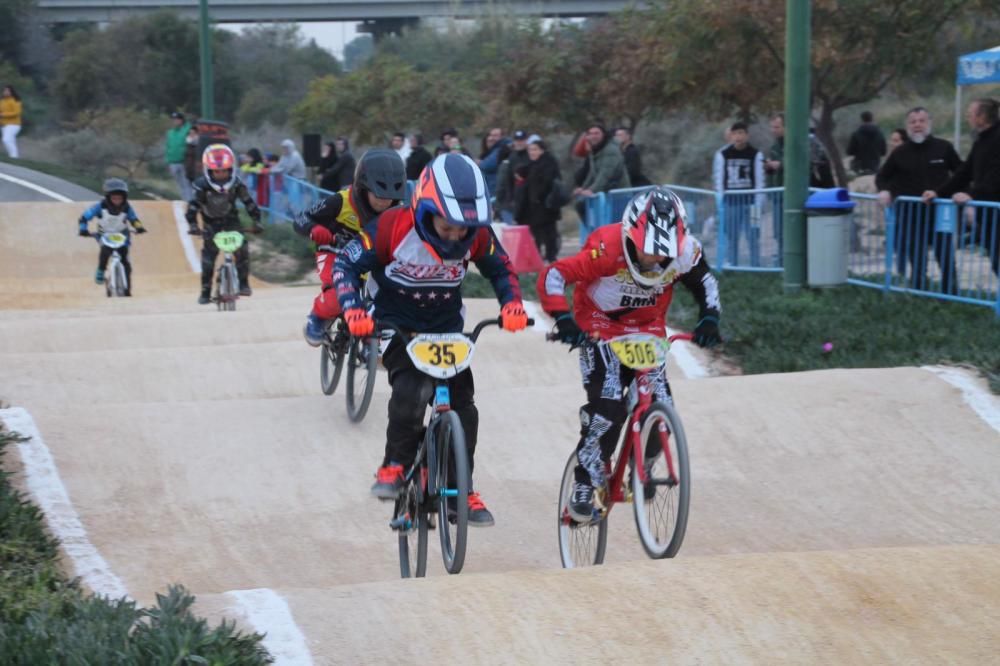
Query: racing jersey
[(218, 209), (416, 289), (108, 222), (338, 214), (608, 302)]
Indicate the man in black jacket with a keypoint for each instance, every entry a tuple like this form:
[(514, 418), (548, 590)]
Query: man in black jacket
[(867, 146), (633, 161), (922, 163), (979, 177)]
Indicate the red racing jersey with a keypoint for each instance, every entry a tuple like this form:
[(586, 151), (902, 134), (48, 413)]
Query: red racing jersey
[(608, 302)]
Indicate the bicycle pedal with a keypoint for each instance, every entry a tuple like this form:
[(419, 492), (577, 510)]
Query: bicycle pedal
[(401, 523)]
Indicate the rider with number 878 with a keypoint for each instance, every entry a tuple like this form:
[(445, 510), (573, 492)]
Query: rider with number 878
[(624, 279)]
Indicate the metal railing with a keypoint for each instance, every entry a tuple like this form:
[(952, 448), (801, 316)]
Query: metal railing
[(283, 197)]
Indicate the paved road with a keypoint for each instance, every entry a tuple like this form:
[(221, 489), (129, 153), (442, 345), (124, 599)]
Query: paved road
[(10, 190)]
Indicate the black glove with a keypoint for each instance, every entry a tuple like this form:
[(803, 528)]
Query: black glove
[(140, 230), (569, 332), (194, 230), (84, 232), (706, 333)]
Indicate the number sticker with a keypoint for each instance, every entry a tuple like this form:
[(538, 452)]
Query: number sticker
[(640, 352), (441, 355)]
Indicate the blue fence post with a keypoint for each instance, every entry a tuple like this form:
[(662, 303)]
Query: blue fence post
[(890, 244), (720, 214)]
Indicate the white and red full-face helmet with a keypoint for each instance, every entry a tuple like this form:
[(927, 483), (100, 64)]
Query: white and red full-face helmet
[(654, 223), (219, 158)]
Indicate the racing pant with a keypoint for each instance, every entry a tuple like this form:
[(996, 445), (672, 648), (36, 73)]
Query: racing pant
[(604, 414), (105, 255), (412, 391), (326, 305), (209, 252)]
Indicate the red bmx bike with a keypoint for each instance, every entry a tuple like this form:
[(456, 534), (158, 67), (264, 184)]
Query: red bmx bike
[(653, 451)]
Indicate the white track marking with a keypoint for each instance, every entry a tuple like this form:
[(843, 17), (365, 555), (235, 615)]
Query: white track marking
[(269, 614), (38, 188), (688, 362), (981, 400), (48, 491), (182, 231)]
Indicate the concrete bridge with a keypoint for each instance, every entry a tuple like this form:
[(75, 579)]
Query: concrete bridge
[(247, 11)]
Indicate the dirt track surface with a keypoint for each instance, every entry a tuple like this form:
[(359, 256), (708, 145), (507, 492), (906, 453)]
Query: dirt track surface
[(844, 514)]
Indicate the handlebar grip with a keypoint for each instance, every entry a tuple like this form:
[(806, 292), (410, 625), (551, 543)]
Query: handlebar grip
[(531, 322)]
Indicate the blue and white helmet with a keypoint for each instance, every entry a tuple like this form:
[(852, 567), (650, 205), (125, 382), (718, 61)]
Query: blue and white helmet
[(452, 187)]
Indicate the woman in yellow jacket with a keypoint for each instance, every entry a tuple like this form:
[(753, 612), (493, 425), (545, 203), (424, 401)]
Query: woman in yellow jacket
[(10, 119)]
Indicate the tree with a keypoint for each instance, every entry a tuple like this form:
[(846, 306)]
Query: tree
[(358, 51)]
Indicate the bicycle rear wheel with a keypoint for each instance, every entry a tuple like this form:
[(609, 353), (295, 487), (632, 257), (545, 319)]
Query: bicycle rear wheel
[(580, 545), (410, 519), (451, 489), (661, 503), (331, 361), (361, 367), (121, 280)]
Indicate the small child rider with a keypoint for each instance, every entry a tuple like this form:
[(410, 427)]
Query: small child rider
[(114, 214), (624, 278), (418, 256), (379, 183), (214, 196)]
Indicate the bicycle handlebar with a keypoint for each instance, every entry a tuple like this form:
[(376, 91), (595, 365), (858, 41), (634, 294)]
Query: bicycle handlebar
[(474, 335)]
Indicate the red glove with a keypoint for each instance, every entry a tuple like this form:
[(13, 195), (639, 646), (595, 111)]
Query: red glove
[(321, 235), (513, 317), (359, 322)]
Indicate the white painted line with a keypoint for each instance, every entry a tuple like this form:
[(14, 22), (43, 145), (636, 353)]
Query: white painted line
[(688, 362), (981, 400), (48, 491), (269, 614), (186, 242), (38, 188)]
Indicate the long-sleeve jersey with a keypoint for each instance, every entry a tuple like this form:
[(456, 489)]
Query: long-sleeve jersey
[(608, 302), (108, 222), (736, 169), (218, 209), (338, 214), (416, 289)]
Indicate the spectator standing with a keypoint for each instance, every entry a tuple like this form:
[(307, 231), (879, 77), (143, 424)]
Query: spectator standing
[(176, 151), (418, 159), (605, 168), (979, 177), (923, 163), (740, 167), (10, 120), (774, 165), (490, 157), (867, 146), (897, 138), (192, 160), (820, 169), (402, 147), (327, 158), (291, 163), (504, 204), (533, 199), (633, 161), (341, 174)]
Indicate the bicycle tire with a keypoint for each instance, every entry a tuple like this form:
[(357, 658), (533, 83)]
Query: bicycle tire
[(650, 506), (412, 556), (331, 362), (121, 280), (449, 440), (109, 287), (227, 287), (360, 397), (579, 545)]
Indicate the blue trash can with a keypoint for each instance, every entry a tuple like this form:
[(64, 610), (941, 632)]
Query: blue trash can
[(828, 227)]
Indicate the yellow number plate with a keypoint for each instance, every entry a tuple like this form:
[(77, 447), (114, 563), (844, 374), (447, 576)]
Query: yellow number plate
[(115, 238), (441, 355), (640, 352)]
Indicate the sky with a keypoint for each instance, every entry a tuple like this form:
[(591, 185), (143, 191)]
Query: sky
[(330, 36)]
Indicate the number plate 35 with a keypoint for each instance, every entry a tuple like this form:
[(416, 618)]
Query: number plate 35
[(441, 355), (640, 352)]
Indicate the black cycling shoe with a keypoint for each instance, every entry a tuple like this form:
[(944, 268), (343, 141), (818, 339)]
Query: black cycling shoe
[(205, 298), (581, 503)]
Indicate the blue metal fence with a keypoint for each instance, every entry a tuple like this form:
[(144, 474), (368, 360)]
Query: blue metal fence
[(284, 197)]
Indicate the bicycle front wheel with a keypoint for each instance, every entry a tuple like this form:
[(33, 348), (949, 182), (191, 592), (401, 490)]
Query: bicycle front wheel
[(661, 502), (361, 367), (580, 544), (331, 361), (227, 287), (451, 488), (410, 518), (121, 281)]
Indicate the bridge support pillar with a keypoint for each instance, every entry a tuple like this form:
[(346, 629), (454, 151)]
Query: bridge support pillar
[(379, 28)]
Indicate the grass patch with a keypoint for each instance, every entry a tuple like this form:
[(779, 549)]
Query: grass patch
[(46, 618), (769, 331), (476, 286), (279, 254)]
